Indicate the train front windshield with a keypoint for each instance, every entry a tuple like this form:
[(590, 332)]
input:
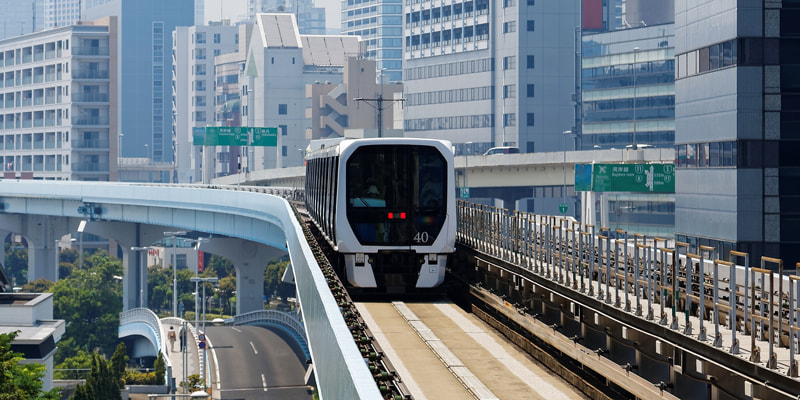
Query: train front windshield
[(396, 194)]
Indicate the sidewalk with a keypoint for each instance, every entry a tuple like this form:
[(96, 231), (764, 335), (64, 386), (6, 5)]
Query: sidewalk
[(188, 360)]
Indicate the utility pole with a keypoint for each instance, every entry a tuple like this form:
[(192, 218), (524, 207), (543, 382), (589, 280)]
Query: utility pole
[(378, 106)]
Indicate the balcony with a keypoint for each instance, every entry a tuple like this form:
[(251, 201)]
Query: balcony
[(90, 121), (78, 74), (90, 51), (93, 144), (90, 97)]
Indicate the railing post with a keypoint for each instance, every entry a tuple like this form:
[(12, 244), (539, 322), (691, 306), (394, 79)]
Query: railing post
[(689, 291), (772, 363)]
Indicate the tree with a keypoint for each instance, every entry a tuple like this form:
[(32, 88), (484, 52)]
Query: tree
[(100, 384), (90, 301), (160, 367), (272, 276), (118, 362), (16, 263), (225, 291), (159, 285), (222, 266), (18, 381), (74, 367), (38, 286)]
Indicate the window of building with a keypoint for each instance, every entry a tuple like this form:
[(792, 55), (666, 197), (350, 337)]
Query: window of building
[(531, 61), (283, 151), (530, 89), (217, 38), (510, 62), (509, 91), (510, 26), (531, 2), (510, 119), (531, 121), (531, 25), (284, 129), (509, 3), (283, 109), (200, 37)]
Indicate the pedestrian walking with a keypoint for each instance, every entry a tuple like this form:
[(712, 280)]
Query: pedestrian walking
[(171, 336)]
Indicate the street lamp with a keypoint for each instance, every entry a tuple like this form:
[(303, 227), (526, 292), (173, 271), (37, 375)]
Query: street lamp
[(635, 52), (196, 274), (81, 227), (203, 360), (173, 235), (142, 273)]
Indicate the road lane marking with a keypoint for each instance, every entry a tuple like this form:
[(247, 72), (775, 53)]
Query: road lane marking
[(254, 347), (264, 382), (216, 363), (236, 330)]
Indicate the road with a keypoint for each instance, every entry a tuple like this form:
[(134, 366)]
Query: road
[(255, 363)]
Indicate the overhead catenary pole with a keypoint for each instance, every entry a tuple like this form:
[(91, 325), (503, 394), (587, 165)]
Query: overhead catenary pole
[(378, 106)]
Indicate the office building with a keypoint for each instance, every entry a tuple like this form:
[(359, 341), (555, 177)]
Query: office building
[(194, 51), (58, 114), (628, 89), (380, 26), (145, 71), (491, 73), (280, 63), (736, 128)]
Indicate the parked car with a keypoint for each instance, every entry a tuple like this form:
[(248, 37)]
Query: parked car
[(502, 150)]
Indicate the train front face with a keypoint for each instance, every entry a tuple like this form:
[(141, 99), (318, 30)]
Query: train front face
[(397, 199)]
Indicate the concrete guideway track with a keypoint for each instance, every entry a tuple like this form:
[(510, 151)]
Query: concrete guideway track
[(478, 356)]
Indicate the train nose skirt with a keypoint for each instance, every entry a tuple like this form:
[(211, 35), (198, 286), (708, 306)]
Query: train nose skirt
[(396, 269)]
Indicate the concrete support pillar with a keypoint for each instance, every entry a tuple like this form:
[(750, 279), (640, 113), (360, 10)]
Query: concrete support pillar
[(127, 234), (250, 260), (41, 233)]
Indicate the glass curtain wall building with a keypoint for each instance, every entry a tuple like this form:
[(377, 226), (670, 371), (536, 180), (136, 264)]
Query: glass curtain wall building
[(628, 82), (380, 25), (736, 128)]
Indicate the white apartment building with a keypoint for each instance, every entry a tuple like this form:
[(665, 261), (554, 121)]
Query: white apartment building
[(490, 73), (280, 63), (57, 103), (194, 50)]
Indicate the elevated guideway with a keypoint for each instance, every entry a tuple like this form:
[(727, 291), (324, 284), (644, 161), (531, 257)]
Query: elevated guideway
[(255, 217), (689, 325)]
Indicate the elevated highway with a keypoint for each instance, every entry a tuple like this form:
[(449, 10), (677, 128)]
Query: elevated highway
[(135, 214)]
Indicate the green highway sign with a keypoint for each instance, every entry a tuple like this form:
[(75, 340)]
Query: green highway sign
[(655, 178), (465, 192), (563, 208), (234, 136), (264, 137)]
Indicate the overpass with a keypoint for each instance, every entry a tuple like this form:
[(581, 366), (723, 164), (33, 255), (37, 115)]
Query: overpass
[(507, 177), (254, 228)]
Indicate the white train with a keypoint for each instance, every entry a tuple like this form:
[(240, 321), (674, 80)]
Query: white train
[(387, 208)]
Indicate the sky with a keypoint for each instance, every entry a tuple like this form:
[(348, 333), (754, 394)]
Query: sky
[(236, 8)]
